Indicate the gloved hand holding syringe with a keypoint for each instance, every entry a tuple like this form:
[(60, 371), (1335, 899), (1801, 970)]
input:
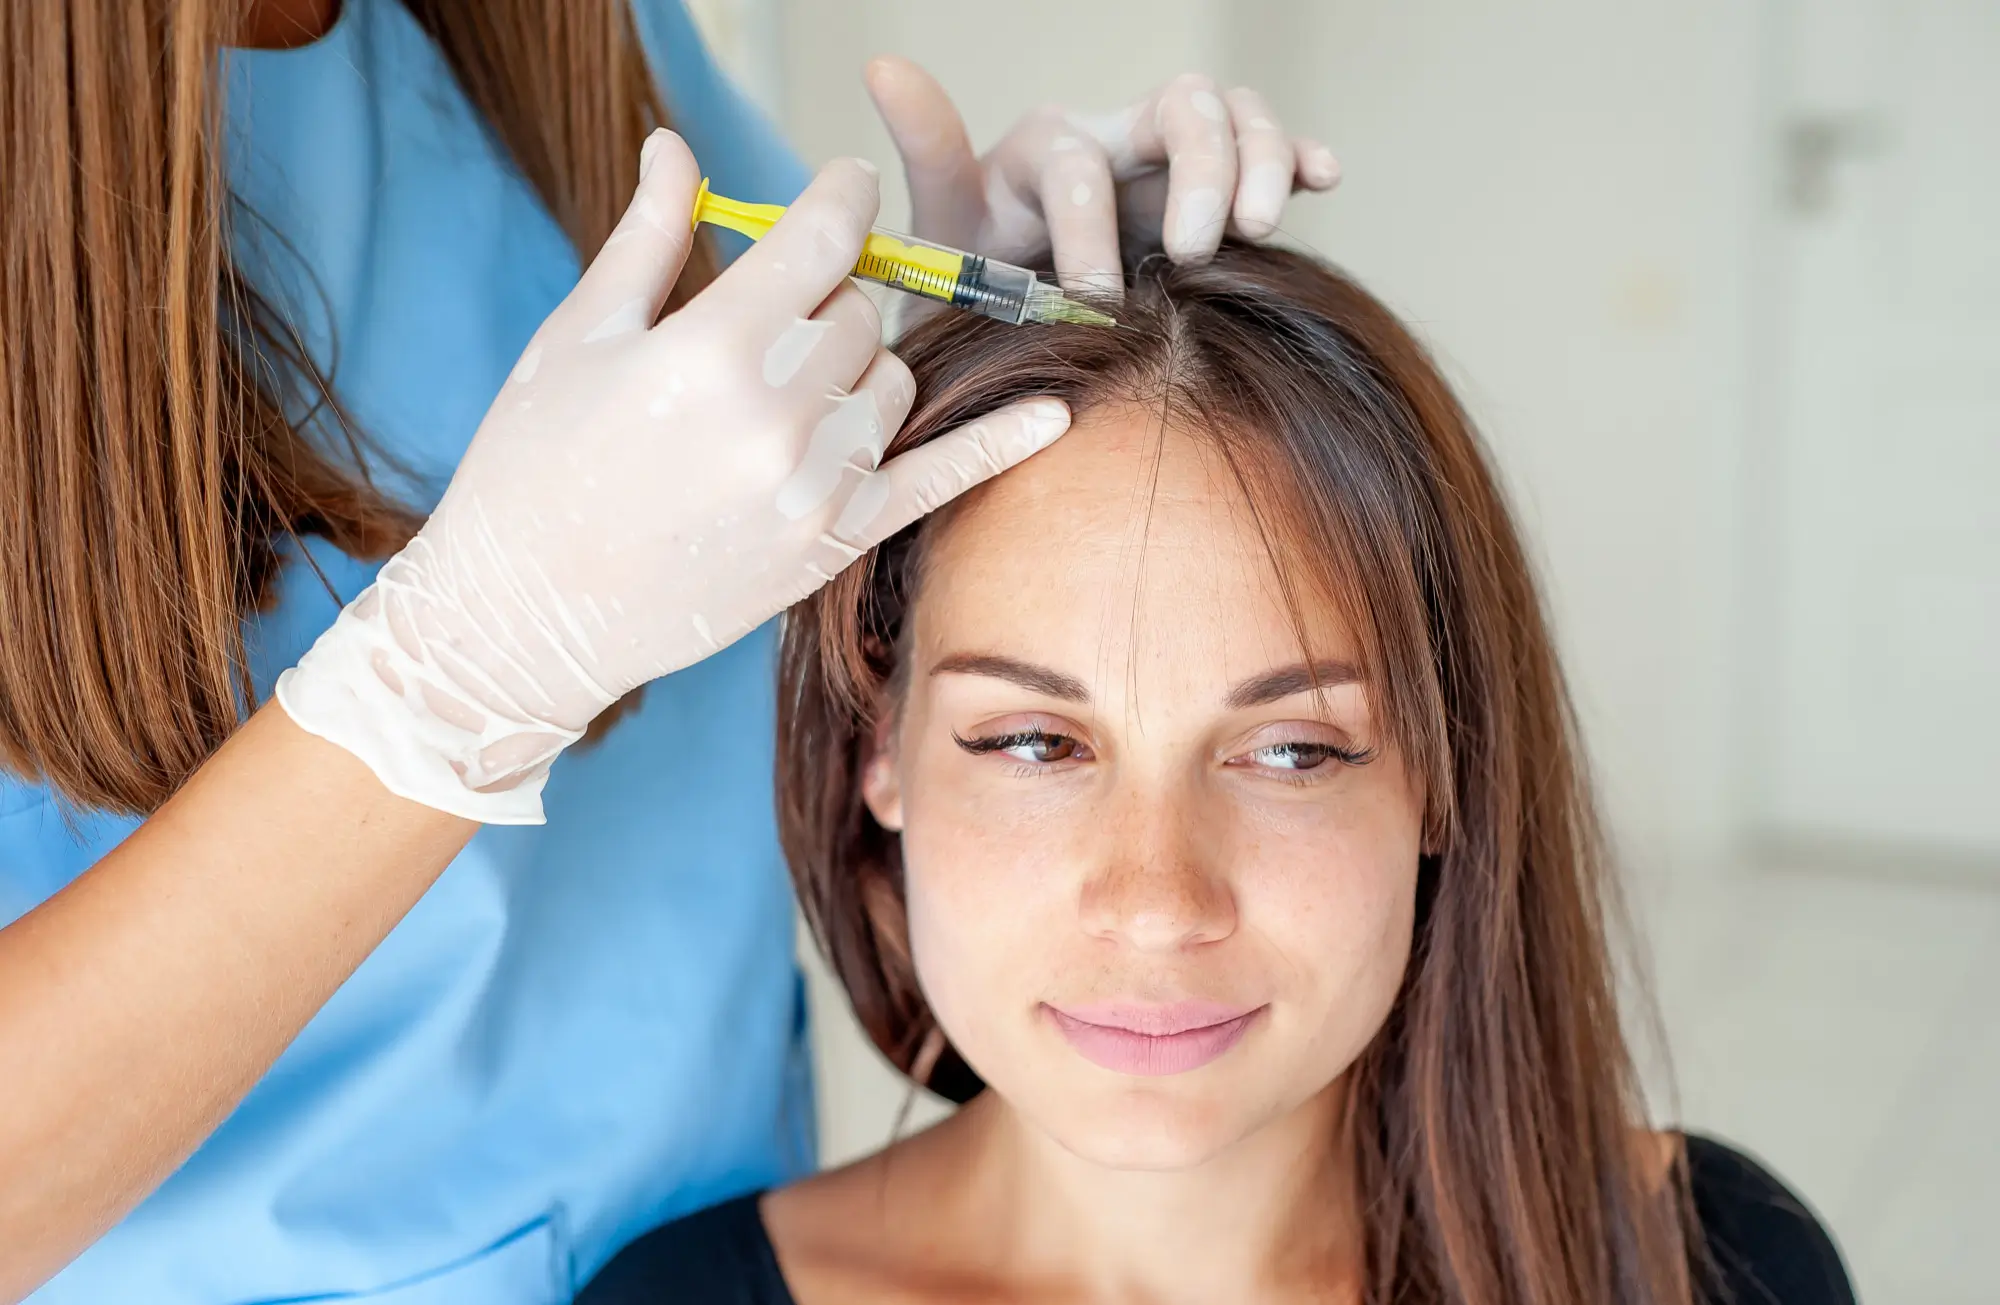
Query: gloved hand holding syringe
[(986, 286), (643, 492)]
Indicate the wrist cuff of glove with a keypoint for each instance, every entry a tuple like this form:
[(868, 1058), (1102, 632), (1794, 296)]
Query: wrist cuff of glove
[(410, 723)]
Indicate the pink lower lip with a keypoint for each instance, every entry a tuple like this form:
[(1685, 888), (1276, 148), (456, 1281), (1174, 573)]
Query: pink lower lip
[(1127, 1051)]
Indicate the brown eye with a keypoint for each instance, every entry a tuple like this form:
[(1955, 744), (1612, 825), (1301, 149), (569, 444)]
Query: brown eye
[(1300, 755), (1032, 747), (1043, 748), (1295, 756)]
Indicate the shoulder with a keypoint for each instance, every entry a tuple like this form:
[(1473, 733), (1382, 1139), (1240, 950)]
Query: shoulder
[(718, 1256), (1761, 1243)]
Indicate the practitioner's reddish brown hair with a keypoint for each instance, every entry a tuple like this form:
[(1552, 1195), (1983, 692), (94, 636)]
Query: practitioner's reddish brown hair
[(163, 432)]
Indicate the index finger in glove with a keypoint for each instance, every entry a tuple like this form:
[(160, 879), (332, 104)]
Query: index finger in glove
[(1267, 165), (1186, 126), (1049, 165), (915, 483), (947, 190)]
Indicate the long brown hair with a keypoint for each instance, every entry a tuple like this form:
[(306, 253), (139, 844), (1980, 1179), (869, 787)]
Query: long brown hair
[(1497, 1113), (148, 469)]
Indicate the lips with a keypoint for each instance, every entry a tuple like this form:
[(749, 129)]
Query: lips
[(1152, 1041)]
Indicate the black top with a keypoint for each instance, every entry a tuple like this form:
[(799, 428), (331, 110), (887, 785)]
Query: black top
[(1765, 1245)]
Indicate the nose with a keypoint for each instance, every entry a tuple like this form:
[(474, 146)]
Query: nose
[(1155, 887)]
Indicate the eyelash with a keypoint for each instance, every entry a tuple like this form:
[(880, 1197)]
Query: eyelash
[(1018, 739), (1326, 751), (1028, 738)]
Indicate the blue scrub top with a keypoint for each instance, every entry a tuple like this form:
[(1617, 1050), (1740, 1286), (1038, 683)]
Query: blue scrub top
[(585, 1027)]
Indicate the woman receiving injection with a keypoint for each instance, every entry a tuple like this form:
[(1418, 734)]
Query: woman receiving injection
[(1200, 804)]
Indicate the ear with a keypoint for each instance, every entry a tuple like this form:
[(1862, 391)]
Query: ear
[(881, 778)]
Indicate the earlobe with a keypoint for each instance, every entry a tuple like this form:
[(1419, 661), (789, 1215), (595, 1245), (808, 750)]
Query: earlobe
[(881, 783)]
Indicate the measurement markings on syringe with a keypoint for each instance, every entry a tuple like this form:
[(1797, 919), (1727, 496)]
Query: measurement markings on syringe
[(924, 281)]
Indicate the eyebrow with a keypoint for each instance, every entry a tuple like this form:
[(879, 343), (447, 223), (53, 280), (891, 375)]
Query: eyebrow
[(1035, 679), (1288, 680), (1254, 692)]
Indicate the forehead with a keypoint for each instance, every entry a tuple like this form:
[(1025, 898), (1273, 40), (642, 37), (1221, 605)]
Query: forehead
[(1128, 548)]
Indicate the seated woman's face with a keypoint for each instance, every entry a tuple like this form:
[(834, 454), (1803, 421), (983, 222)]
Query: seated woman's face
[(1161, 891)]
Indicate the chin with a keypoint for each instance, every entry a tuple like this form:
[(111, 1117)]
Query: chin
[(1157, 1126)]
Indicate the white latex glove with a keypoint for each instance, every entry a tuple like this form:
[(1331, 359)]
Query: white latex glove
[(1184, 161), (639, 496)]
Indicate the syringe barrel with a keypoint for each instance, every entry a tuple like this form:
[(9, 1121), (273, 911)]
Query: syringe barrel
[(994, 289), (981, 285)]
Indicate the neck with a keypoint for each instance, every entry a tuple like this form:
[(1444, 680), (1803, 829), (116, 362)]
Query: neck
[(1274, 1216), (285, 24)]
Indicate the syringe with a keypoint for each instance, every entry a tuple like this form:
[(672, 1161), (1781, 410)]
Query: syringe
[(971, 281)]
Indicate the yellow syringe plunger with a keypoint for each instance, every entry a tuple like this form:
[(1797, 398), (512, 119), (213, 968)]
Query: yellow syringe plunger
[(982, 285)]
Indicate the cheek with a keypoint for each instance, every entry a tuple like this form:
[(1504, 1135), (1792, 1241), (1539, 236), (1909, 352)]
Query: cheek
[(1329, 890), (990, 898), (990, 856), (1346, 888)]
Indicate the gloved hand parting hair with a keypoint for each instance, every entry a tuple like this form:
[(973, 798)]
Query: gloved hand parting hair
[(1187, 162), (638, 497)]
